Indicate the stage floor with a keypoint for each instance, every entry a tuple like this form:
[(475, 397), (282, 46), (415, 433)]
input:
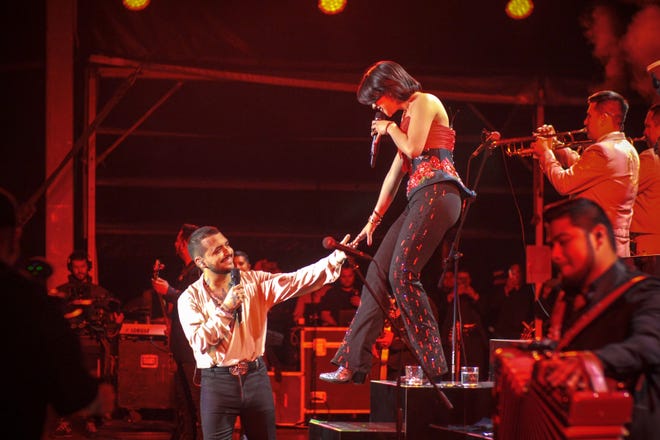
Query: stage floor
[(121, 429)]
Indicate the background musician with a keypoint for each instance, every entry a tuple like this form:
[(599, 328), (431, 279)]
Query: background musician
[(344, 294), (646, 214), (91, 309), (242, 261), (187, 385), (511, 306), (606, 171), (625, 335), (93, 313), (472, 340)]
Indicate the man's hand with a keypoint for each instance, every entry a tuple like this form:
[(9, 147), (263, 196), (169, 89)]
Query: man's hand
[(234, 298), (563, 372), (160, 285), (544, 140)]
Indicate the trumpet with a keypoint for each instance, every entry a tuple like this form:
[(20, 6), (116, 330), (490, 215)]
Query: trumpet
[(516, 146), (565, 139)]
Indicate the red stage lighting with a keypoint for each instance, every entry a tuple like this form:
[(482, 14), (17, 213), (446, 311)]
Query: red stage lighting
[(332, 7), (519, 9), (135, 5)]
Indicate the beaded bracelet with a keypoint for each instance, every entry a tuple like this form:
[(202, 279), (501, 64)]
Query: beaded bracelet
[(375, 218)]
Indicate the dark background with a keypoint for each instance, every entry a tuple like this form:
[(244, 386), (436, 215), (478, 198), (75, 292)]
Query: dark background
[(278, 167)]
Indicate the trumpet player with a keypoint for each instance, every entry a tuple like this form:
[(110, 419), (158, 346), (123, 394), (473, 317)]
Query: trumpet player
[(606, 171), (646, 215)]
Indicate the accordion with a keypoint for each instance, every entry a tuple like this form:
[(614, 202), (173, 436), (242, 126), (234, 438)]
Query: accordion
[(527, 408)]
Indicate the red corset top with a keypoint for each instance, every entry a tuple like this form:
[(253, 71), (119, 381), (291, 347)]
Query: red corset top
[(439, 135)]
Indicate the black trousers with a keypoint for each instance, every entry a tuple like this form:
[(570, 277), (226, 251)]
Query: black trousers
[(406, 248), (225, 397)]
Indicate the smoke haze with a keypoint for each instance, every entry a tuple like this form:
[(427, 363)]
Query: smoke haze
[(625, 46)]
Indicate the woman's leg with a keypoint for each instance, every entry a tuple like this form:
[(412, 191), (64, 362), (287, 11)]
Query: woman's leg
[(355, 352), (432, 211)]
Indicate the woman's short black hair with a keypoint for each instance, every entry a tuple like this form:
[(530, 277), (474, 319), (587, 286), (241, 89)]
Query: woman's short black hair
[(386, 78)]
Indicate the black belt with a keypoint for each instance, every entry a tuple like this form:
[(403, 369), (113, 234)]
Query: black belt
[(241, 368)]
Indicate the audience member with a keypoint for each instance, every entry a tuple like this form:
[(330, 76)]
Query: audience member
[(187, 381), (46, 364)]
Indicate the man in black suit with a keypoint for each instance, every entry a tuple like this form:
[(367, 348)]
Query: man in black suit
[(606, 310)]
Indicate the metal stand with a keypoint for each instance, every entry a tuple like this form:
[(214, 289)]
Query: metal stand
[(455, 255)]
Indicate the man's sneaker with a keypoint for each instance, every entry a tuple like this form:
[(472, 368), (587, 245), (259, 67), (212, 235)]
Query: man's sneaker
[(63, 429)]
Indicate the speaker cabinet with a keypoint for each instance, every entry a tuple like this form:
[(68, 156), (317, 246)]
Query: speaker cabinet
[(318, 346), (288, 396), (145, 376)]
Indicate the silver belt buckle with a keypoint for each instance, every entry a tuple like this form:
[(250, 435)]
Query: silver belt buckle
[(239, 369)]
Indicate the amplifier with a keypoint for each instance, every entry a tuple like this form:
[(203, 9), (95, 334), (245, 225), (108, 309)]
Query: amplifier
[(318, 345), (145, 374), (288, 398)]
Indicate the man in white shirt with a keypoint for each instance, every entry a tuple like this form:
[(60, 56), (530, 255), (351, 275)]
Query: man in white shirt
[(224, 318)]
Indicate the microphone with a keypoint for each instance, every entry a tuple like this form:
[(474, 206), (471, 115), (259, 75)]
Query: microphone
[(236, 279), (375, 141), (332, 244), (488, 138)]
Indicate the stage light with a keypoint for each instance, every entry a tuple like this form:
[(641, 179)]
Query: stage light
[(332, 7), (135, 5), (519, 9)]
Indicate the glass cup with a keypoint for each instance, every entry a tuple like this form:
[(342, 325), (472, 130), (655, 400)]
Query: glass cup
[(470, 376), (414, 375)]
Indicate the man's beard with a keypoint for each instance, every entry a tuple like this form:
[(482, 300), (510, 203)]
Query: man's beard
[(218, 271), (576, 282)]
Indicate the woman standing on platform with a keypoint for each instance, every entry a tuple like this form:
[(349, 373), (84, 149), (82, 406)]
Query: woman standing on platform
[(425, 144)]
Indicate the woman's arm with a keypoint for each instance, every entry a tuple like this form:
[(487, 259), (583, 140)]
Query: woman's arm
[(388, 191)]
